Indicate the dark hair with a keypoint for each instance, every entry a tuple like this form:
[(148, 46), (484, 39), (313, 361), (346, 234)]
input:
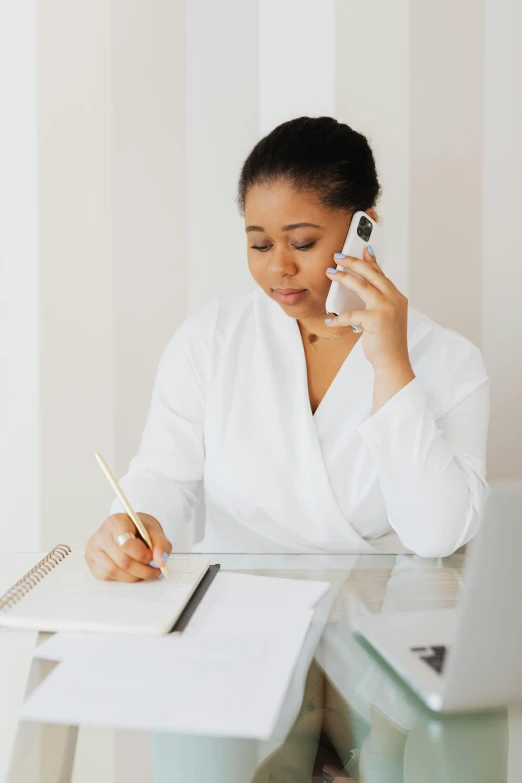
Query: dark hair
[(317, 154)]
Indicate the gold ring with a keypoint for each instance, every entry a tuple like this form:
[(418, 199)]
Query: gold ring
[(123, 537)]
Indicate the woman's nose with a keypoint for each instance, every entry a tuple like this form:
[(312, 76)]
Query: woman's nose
[(282, 261)]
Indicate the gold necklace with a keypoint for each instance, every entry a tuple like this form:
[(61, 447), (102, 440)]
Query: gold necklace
[(313, 338)]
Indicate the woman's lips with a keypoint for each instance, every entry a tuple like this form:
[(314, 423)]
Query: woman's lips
[(290, 296)]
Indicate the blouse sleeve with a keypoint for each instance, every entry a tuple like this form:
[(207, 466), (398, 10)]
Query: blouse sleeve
[(432, 470), (165, 476)]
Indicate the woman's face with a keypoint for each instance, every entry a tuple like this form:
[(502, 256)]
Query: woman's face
[(286, 253)]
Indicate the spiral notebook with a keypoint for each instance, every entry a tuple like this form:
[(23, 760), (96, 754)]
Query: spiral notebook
[(61, 594)]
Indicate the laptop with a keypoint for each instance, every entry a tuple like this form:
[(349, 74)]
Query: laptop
[(470, 657)]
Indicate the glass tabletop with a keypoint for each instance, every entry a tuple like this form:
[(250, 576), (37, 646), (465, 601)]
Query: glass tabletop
[(344, 716)]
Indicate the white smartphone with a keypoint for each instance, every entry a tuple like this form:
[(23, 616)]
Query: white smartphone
[(363, 231)]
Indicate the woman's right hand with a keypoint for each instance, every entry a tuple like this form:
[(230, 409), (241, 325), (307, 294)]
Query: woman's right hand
[(130, 562)]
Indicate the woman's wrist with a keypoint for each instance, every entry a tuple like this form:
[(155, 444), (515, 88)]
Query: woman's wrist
[(389, 381)]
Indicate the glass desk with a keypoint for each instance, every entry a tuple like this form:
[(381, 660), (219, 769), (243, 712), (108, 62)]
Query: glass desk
[(344, 716)]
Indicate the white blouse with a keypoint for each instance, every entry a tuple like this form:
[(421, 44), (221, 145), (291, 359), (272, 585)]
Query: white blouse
[(230, 436)]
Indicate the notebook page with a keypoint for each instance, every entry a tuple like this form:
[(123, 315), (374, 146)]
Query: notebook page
[(14, 565), (70, 598)]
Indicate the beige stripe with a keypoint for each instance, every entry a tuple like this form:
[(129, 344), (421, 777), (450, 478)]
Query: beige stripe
[(446, 52)]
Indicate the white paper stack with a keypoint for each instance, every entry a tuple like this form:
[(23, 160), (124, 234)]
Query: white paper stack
[(226, 675)]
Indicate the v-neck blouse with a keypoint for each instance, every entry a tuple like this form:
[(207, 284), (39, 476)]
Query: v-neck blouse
[(339, 371), (230, 437)]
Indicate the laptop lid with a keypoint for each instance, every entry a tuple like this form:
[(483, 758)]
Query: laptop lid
[(485, 661)]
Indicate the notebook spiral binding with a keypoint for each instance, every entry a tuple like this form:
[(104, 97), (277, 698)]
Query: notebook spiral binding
[(32, 577)]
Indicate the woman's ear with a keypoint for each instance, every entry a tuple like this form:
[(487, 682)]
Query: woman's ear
[(373, 214)]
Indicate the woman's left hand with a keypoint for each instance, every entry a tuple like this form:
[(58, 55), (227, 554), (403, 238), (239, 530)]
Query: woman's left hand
[(385, 319)]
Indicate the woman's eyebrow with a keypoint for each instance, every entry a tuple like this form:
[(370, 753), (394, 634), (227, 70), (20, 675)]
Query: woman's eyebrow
[(285, 228)]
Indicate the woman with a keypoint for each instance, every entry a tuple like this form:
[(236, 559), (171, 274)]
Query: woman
[(346, 442)]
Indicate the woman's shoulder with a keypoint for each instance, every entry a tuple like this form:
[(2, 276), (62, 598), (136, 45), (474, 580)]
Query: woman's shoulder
[(219, 309), (448, 362), (193, 342), (224, 313), (437, 339)]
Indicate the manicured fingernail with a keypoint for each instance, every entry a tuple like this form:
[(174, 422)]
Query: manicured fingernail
[(327, 320), (161, 576), (331, 269), (371, 250), (165, 557), (153, 564), (339, 255)]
